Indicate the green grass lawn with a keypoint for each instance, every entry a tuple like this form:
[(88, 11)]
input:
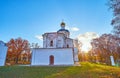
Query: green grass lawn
[(86, 70)]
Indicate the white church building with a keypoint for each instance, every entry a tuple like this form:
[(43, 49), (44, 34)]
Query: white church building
[(58, 49), (3, 53)]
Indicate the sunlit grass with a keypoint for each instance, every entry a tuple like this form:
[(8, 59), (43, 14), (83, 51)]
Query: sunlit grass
[(86, 70)]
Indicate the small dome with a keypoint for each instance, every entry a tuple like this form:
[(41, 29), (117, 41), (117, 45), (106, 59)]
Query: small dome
[(62, 24), (63, 27), (63, 30)]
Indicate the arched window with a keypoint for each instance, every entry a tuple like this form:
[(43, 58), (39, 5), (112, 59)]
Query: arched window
[(51, 60), (51, 43), (67, 46)]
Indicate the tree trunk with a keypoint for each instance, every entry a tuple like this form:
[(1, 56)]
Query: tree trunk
[(16, 60)]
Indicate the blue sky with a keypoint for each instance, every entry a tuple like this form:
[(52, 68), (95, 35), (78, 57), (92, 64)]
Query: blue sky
[(30, 18)]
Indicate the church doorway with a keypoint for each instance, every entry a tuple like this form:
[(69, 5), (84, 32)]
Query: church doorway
[(67, 46), (51, 60)]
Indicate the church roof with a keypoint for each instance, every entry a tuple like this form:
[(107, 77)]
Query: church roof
[(63, 30), (50, 33)]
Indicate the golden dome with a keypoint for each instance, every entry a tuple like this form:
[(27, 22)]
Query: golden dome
[(62, 24)]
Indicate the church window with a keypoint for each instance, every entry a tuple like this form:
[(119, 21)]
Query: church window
[(51, 43), (67, 46)]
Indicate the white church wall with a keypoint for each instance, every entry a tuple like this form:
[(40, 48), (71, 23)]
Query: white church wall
[(60, 41), (44, 41), (75, 43), (3, 53), (65, 33), (47, 38), (69, 42), (48, 43), (76, 55), (61, 56)]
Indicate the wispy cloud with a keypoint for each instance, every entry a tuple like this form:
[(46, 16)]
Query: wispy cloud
[(74, 29), (39, 37)]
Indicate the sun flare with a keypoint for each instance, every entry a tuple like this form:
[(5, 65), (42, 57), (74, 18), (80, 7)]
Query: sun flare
[(85, 39), (85, 48)]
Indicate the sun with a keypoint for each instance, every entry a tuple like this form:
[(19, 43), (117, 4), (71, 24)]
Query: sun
[(86, 47)]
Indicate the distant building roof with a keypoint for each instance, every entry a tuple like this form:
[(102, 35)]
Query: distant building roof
[(2, 43)]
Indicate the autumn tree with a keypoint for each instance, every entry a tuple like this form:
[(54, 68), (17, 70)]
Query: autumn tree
[(105, 46), (115, 6), (16, 47)]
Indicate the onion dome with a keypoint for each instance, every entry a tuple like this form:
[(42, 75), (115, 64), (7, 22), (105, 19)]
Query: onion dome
[(62, 24), (63, 27)]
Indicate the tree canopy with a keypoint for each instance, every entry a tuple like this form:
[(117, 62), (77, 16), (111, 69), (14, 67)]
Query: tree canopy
[(16, 47), (115, 6)]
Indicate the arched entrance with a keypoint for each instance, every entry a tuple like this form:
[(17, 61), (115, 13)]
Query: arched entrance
[(67, 46), (51, 60)]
